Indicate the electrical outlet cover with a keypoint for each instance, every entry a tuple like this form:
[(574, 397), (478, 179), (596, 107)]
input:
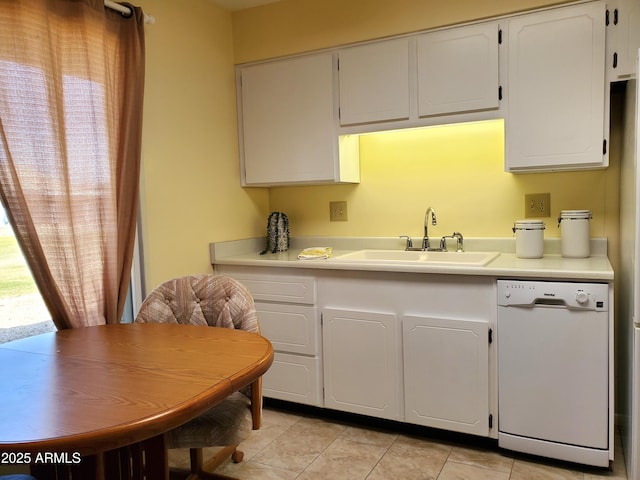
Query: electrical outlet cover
[(537, 205), (338, 211)]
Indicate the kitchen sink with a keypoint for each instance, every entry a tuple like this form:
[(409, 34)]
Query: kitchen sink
[(478, 259)]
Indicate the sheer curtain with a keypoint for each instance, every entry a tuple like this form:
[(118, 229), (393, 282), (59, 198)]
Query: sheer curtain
[(71, 88)]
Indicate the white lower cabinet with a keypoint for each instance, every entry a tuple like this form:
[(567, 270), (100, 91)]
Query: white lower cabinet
[(407, 347), (446, 373), (410, 347), (289, 318), (362, 371)]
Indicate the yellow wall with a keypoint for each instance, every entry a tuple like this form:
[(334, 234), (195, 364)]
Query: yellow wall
[(294, 26), (459, 171), (191, 192)]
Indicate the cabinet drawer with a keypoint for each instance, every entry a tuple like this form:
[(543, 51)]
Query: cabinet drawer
[(279, 288), (290, 328), (294, 378)]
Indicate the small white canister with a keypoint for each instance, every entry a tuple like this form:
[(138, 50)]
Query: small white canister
[(574, 233), (529, 238)]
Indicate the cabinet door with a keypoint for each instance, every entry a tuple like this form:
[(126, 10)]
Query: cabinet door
[(288, 132), (361, 363), (556, 89), (458, 70), (446, 374), (625, 25), (374, 82)]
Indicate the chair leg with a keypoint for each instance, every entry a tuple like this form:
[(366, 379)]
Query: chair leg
[(237, 456), (201, 470), (195, 455)]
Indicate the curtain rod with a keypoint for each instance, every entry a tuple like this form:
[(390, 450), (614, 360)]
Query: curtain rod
[(126, 10)]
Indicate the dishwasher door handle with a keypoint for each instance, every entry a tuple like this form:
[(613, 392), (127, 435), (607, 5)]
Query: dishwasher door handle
[(549, 302), (554, 302)]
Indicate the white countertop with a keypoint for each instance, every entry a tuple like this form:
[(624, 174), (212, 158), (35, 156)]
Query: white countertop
[(506, 265)]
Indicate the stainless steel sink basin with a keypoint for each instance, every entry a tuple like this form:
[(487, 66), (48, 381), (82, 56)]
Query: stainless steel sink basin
[(478, 259)]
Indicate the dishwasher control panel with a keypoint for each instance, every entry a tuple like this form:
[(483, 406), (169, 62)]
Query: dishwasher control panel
[(578, 296)]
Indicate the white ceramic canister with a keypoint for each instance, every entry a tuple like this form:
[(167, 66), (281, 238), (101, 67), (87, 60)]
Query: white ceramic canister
[(574, 233), (529, 238)]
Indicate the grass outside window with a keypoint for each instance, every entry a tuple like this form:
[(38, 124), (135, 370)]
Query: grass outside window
[(15, 277)]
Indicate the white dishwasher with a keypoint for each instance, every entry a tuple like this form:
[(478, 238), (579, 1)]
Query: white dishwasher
[(553, 370)]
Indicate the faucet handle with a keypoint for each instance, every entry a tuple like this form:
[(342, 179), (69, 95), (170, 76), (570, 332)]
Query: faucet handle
[(409, 241), (460, 241)]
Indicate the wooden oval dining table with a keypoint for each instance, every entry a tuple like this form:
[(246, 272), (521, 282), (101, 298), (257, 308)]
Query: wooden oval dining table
[(94, 402)]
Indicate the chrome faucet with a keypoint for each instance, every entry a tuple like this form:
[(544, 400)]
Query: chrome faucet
[(459, 242), (434, 222)]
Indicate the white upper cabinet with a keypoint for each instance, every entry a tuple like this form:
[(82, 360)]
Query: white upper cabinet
[(287, 123), (374, 82), (556, 90), (458, 70), (623, 38), (404, 82), (300, 117)]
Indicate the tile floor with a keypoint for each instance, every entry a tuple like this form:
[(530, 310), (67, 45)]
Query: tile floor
[(308, 446)]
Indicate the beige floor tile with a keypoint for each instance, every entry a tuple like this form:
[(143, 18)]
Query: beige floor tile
[(411, 458), (618, 472), (344, 460), (278, 418), (291, 452), (178, 458), (369, 436), (257, 471), (274, 424), (461, 471), (524, 470), (291, 446), (317, 426), (300, 444), (481, 458), (426, 448), (406, 467)]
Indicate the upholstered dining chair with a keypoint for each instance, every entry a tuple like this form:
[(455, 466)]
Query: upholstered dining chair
[(216, 301)]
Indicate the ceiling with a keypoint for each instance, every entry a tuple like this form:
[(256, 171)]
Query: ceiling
[(234, 5)]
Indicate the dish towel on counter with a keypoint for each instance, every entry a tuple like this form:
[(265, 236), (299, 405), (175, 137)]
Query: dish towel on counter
[(314, 253)]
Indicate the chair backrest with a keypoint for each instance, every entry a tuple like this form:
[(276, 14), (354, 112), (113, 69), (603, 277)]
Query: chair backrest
[(213, 300)]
